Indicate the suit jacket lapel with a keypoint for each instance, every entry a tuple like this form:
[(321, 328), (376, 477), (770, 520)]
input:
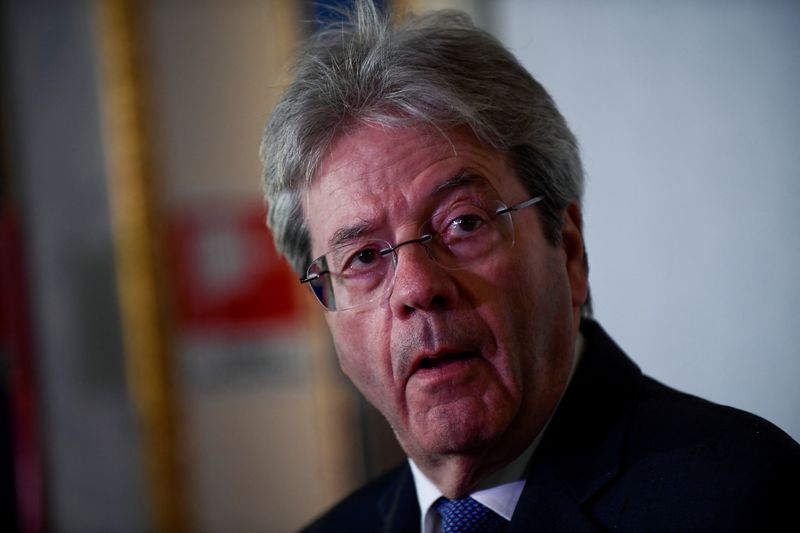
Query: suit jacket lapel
[(582, 449), (548, 504), (399, 506)]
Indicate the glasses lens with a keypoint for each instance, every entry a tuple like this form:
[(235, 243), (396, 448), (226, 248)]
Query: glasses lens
[(468, 233), (352, 275), (320, 283)]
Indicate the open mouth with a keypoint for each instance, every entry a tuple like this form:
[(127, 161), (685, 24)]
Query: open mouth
[(444, 360)]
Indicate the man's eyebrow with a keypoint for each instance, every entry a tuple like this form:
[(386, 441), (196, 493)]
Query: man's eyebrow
[(463, 178), (348, 233)]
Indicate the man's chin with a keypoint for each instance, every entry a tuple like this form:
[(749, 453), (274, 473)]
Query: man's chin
[(456, 435)]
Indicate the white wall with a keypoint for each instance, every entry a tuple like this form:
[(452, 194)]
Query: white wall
[(689, 120)]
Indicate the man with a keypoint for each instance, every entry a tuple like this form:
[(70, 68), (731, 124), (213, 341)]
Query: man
[(428, 191)]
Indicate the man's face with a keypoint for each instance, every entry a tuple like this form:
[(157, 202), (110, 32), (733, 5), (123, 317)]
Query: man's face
[(468, 362)]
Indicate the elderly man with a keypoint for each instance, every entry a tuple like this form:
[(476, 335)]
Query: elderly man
[(428, 191)]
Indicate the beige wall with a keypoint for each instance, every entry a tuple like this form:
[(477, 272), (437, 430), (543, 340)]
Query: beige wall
[(270, 434)]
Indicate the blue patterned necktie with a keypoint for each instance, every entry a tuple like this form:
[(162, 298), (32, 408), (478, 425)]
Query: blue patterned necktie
[(466, 515)]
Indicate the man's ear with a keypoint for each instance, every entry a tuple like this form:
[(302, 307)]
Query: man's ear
[(574, 251)]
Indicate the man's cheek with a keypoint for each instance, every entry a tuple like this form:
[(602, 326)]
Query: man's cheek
[(356, 366), (349, 366)]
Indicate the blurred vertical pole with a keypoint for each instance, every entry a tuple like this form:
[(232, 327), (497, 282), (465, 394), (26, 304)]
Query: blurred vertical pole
[(21, 488), (139, 264), (21, 491)]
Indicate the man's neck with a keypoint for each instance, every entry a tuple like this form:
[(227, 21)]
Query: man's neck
[(458, 475)]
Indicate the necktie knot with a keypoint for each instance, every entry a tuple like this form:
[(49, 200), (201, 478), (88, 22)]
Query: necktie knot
[(465, 515)]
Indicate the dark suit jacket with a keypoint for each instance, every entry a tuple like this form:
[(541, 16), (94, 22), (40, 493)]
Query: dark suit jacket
[(624, 452)]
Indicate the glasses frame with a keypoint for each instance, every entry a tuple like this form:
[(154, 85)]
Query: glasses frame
[(392, 249)]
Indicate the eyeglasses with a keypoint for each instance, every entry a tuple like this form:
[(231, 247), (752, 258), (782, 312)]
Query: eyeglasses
[(361, 272)]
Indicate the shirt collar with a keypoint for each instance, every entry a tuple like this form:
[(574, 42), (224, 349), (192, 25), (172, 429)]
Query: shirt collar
[(500, 492)]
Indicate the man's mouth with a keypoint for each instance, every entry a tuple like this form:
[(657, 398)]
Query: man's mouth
[(443, 360)]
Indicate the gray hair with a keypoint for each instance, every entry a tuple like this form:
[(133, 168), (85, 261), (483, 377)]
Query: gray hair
[(437, 69)]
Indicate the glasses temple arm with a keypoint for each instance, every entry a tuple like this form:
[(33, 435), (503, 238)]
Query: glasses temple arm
[(526, 203), (313, 276)]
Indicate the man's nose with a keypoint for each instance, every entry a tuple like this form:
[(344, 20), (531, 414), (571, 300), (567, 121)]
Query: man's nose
[(420, 282)]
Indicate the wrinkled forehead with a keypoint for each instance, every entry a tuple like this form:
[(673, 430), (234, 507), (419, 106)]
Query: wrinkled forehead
[(381, 156), (375, 178)]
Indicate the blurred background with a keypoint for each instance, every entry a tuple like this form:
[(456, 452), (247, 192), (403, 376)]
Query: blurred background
[(160, 369)]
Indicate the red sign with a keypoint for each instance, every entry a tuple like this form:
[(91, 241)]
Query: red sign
[(227, 271)]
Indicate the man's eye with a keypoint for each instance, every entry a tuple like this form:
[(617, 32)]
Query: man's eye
[(366, 256), (466, 224), (363, 259)]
